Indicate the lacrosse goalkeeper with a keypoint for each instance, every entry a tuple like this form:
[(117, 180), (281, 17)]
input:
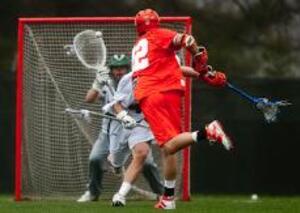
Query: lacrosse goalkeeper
[(112, 140)]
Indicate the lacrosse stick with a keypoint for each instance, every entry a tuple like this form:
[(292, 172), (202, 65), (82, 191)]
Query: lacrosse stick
[(79, 113), (90, 49), (269, 108), (145, 193)]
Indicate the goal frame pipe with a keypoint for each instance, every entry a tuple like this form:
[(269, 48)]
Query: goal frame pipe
[(185, 196)]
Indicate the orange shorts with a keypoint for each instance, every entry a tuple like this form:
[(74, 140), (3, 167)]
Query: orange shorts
[(163, 111)]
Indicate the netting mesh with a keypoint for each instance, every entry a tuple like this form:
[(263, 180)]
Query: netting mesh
[(55, 146)]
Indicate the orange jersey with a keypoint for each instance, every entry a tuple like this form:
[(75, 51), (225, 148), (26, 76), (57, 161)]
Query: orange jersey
[(154, 64)]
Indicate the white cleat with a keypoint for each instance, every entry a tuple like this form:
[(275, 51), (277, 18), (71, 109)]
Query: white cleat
[(216, 133), (118, 200), (87, 197), (167, 203)]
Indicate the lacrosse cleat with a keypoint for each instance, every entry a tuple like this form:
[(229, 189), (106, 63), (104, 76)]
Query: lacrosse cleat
[(87, 197), (216, 134), (166, 203), (118, 200)]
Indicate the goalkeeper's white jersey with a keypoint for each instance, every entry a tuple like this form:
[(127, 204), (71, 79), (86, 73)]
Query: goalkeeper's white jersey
[(107, 96), (124, 95)]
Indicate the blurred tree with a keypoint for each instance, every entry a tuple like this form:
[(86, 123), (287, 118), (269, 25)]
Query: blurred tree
[(250, 37), (244, 37)]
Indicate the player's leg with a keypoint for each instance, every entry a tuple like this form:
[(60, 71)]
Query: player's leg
[(162, 111), (145, 160), (118, 147), (167, 201), (212, 132), (97, 157), (151, 174), (139, 155)]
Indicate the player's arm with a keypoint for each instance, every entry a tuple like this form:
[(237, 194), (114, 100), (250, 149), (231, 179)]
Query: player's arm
[(122, 99), (122, 114), (189, 72), (94, 93), (118, 107), (91, 96), (212, 78), (199, 53), (101, 79)]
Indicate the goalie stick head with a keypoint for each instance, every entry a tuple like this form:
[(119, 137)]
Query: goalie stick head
[(90, 49), (146, 20)]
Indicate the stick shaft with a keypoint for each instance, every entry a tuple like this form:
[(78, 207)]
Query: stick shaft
[(242, 93), (143, 192), (114, 118), (70, 110)]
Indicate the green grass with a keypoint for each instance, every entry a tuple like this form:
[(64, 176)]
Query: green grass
[(199, 204)]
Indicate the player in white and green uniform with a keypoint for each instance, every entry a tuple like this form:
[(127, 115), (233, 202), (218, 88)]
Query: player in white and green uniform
[(138, 139), (113, 137)]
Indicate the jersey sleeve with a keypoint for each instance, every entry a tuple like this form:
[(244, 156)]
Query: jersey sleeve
[(164, 37), (96, 86), (124, 93)]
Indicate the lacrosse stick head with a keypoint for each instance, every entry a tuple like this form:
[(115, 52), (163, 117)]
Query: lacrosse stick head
[(90, 49), (270, 108)]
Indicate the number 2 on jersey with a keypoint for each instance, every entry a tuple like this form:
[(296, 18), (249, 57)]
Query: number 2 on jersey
[(139, 55)]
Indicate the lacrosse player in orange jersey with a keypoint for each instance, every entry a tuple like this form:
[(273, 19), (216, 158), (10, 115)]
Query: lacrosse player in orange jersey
[(159, 87)]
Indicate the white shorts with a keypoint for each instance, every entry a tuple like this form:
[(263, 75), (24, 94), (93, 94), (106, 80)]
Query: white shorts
[(138, 135), (127, 140)]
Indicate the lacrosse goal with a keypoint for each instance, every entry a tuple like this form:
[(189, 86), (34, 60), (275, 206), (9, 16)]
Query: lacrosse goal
[(52, 148)]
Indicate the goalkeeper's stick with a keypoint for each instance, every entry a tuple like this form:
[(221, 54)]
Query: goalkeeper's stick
[(79, 112), (269, 108), (90, 49), (145, 193)]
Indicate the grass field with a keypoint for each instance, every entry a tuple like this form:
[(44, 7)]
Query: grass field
[(199, 204)]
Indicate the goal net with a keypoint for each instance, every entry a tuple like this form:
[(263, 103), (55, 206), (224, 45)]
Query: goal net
[(52, 148)]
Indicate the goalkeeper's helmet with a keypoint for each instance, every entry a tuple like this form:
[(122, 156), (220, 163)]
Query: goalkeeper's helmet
[(146, 20), (119, 65), (119, 61)]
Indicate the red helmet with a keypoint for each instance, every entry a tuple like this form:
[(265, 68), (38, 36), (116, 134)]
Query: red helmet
[(146, 20)]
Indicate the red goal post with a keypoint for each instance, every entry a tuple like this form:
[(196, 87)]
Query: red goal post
[(41, 128)]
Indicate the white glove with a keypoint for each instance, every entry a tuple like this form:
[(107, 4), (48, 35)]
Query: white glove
[(127, 121), (86, 115), (102, 76)]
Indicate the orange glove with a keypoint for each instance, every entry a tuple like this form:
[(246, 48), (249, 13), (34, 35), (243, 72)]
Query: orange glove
[(216, 79), (200, 61)]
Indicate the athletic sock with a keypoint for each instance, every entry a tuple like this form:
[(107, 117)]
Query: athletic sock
[(125, 188), (169, 188), (199, 135)]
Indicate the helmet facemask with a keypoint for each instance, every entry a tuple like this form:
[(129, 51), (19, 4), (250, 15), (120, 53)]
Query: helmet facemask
[(145, 20)]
